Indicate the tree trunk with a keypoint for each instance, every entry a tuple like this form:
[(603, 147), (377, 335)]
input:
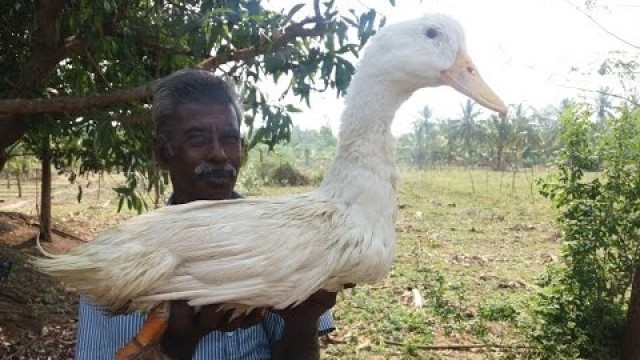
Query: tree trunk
[(499, 156), (631, 342), (45, 199), (19, 183), (12, 129), (157, 187)]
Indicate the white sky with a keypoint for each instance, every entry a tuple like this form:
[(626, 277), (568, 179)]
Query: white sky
[(524, 49)]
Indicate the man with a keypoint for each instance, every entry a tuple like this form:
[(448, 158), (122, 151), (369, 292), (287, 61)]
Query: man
[(197, 139)]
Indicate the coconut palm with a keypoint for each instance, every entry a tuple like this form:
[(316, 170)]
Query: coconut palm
[(499, 136), (467, 129)]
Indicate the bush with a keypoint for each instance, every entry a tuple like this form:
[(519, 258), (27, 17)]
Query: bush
[(580, 311), (287, 175)]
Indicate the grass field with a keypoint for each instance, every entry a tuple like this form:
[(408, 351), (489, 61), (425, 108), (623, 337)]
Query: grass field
[(473, 251), (474, 256)]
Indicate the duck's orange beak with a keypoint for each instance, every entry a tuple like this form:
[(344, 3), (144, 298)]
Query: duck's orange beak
[(464, 77)]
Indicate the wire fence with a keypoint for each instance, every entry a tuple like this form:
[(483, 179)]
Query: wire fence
[(26, 186)]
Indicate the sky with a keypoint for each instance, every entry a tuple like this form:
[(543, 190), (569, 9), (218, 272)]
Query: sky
[(533, 52)]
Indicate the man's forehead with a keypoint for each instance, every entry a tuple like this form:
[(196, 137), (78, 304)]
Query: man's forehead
[(218, 114)]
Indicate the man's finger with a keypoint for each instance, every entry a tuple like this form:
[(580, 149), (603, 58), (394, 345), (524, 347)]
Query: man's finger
[(210, 317), (181, 316)]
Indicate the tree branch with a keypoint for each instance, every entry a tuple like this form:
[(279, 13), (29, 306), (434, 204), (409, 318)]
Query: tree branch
[(82, 104), (76, 104), (43, 58), (602, 27), (621, 97), (279, 39)]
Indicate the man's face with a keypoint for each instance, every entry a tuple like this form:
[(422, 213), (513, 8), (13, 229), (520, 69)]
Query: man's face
[(204, 152)]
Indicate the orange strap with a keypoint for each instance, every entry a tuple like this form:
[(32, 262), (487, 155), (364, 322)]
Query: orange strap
[(152, 329)]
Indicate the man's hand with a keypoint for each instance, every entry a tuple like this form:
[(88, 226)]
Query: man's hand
[(311, 309), (299, 339), (187, 327)]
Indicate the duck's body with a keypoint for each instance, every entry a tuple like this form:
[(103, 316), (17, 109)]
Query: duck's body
[(178, 253), (277, 252)]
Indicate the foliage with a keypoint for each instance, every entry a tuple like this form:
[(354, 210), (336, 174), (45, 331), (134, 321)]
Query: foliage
[(421, 147), (85, 49), (580, 310), (313, 148), (466, 130), (19, 162), (287, 175), (308, 154), (526, 137)]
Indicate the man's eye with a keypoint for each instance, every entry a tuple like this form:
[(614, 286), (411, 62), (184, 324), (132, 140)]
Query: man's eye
[(196, 140), (230, 139)]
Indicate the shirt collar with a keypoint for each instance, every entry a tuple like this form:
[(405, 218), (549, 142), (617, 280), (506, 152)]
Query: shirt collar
[(234, 195)]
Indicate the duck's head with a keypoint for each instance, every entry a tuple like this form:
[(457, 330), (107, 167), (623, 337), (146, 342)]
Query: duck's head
[(429, 51)]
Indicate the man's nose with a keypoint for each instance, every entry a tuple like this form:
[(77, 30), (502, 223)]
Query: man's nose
[(216, 151)]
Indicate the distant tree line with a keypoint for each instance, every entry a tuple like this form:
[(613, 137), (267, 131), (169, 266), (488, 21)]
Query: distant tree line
[(526, 137)]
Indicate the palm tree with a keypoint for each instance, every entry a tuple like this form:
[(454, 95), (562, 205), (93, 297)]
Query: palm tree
[(499, 136), (423, 130), (527, 138), (467, 129), (449, 130), (548, 128)]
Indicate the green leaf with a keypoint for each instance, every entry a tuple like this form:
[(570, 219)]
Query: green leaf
[(292, 108)]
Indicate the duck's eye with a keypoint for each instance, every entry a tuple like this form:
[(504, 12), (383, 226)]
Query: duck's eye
[(431, 33)]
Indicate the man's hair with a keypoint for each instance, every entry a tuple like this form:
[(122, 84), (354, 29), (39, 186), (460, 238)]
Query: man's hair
[(199, 86)]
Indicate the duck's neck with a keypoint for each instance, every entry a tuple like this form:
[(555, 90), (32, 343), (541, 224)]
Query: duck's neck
[(366, 149)]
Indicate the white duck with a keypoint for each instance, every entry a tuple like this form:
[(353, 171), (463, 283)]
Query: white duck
[(277, 252)]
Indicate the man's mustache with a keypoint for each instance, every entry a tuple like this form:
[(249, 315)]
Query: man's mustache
[(217, 173)]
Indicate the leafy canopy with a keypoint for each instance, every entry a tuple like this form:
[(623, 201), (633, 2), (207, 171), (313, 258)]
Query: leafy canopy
[(77, 76)]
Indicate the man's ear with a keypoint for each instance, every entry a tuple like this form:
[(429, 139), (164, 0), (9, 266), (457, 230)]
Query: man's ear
[(162, 151)]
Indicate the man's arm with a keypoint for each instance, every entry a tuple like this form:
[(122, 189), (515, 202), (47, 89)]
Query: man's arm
[(187, 327), (299, 338), (299, 341)]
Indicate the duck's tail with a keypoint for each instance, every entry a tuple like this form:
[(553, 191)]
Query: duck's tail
[(111, 275)]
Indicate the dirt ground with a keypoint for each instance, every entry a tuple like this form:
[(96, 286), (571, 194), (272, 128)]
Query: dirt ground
[(37, 314)]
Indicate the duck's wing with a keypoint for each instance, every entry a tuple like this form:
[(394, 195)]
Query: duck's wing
[(254, 252)]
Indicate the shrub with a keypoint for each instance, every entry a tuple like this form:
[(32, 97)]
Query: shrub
[(287, 175), (580, 311)]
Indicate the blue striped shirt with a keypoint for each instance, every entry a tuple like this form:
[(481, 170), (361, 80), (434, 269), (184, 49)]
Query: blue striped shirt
[(99, 336)]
